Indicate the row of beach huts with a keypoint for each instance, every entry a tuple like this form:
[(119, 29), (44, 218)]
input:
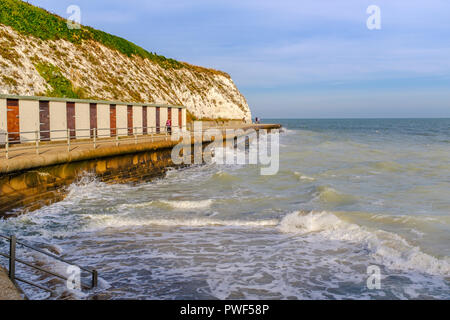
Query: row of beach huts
[(27, 118)]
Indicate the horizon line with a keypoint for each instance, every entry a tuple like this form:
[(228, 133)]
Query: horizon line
[(368, 118)]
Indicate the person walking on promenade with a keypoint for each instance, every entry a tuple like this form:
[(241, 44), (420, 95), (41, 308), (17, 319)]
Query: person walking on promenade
[(169, 126)]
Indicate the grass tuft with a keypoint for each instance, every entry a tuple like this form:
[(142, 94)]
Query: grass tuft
[(61, 86)]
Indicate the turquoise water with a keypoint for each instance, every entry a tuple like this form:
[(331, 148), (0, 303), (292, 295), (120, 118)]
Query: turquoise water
[(349, 194)]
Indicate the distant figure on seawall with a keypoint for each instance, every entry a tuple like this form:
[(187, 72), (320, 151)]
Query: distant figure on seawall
[(169, 126)]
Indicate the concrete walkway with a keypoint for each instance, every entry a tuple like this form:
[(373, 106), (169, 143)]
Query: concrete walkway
[(8, 290), (26, 156)]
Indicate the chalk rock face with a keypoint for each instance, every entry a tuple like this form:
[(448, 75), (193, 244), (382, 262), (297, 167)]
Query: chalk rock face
[(32, 66)]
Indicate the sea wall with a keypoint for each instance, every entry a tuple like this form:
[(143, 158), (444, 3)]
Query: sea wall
[(30, 190), (29, 183)]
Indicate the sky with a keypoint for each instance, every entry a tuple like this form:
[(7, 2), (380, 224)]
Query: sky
[(298, 58)]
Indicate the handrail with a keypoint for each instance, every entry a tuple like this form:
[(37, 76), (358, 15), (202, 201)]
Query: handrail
[(13, 259), (73, 137), (121, 134)]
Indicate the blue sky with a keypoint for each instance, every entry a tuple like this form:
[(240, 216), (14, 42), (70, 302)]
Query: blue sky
[(298, 59)]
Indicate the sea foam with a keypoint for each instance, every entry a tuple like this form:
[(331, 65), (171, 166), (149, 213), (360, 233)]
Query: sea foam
[(117, 221), (387, 248), (200, 204)]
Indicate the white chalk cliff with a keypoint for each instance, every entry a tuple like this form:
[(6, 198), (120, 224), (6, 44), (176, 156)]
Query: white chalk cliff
[(101, 72)]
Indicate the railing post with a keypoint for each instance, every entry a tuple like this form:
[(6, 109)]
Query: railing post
[(12, 258), (68, 140), (135, 135), (95, 138), (7, 145), (94, 278), (117, 138), (36, 137)]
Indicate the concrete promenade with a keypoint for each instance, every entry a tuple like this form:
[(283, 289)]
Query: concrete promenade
[(8, 290), (23, 157)]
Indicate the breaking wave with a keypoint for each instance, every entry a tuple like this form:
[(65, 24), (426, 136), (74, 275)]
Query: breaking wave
[(387, 248), (201, 204), (303, 177), (114, 221), (329, 195)]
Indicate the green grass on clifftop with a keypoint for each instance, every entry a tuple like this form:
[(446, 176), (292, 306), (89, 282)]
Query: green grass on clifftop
[(31, 20)]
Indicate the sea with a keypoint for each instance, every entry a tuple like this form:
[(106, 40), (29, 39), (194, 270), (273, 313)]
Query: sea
[(359, 209)]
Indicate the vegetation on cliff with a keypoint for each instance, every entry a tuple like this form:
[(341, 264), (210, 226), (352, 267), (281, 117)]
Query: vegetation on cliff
[(31, 20), (41, 55), (61, 86), (40, 23)]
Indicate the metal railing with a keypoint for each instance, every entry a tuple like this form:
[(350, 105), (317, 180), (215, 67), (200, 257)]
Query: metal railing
[(77, 137), (13, 259)]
